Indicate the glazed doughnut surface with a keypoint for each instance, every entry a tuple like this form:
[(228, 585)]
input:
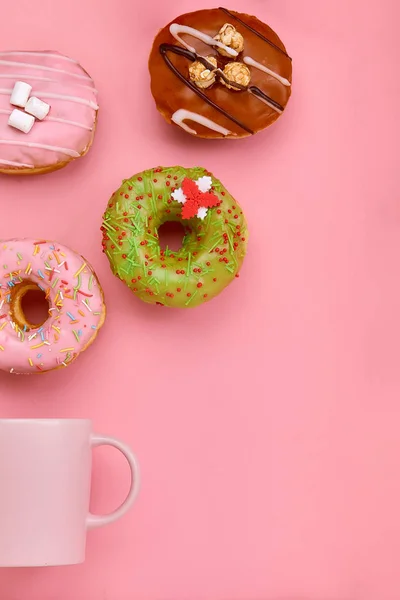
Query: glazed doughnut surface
[(212, 251), (76, 309), (219, 112), (67, 132)]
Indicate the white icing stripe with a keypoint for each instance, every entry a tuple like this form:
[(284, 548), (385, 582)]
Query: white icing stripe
[(175, 29), (32, 66), (253, 63), (182, 114), (54, 119), (24, 77), (67, 98), (75, 123), (27, 78), (66, 151), (23, 53), (275, 108), (6, 92), (12, 163)]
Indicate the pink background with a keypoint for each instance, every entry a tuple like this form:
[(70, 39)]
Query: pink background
[(266, 422)]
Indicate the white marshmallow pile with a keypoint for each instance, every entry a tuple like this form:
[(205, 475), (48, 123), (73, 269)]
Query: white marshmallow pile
[(34, 108)]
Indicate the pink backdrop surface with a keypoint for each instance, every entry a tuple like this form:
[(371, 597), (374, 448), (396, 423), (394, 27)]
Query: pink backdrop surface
[(266, 422)]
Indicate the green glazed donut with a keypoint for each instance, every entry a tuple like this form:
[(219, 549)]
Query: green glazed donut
[(212, 250)]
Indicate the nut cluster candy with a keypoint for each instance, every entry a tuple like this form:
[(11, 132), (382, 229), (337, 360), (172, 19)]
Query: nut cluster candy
[(236, 72), (202, 76), (229, 36)]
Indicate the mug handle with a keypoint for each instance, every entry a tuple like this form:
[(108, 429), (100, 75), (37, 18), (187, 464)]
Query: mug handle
[(96, 440)]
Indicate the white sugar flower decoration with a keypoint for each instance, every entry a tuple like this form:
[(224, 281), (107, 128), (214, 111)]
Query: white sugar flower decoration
[(204, 183), (179, 196), (202, 212)]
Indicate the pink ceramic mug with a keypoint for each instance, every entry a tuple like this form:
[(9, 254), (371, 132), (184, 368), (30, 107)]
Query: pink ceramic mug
[(45, 476)]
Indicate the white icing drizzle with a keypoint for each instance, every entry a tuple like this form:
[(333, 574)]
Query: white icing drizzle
[(55, 120), (45, 54), (275, 108), (6, 92), (24, 77), (12, 163), (182, 114), (66, 151), (74, 123), (253, 63), (175, 29), (68, 99), (27, 78), (9, 63)]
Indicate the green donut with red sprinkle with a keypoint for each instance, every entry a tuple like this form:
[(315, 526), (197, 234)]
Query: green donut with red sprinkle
[(212, 250)]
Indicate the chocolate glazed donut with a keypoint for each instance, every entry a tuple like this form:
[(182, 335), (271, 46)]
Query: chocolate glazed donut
[(226, 108)]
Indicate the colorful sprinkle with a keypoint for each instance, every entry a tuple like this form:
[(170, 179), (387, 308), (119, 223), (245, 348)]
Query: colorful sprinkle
[(79, 271)]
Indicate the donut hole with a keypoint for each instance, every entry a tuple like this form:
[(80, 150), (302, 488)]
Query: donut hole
[(33, 307), (170, 235)]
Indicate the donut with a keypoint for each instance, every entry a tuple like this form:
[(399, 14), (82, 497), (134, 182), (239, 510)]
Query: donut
[(48, 111), (76, 309), (220, 74), (212, 250)]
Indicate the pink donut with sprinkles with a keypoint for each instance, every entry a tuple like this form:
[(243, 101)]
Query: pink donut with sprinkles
[(64, 286)]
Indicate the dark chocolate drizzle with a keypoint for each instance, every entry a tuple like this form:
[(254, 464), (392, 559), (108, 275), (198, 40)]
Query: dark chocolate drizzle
[(260, 94), (164, 48), (250, 28)]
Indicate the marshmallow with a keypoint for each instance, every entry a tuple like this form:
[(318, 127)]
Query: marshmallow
[(37, 108), (20, 94), (21, 120)]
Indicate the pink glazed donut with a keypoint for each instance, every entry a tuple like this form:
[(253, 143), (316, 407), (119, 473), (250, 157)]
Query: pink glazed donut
[(48, 111), (74, 312)]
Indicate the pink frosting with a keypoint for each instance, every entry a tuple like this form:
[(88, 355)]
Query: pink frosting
[(75, 305), (68, 129)]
